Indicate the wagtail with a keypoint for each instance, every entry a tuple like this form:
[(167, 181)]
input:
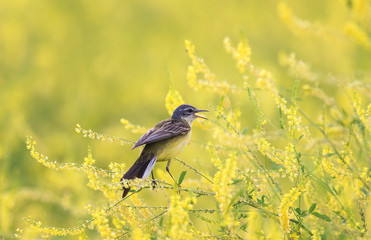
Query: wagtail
[(163, 142)]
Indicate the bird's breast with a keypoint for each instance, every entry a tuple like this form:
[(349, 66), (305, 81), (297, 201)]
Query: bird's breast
[(170, 148)]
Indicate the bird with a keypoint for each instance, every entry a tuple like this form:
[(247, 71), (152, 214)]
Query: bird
[(163, 143)]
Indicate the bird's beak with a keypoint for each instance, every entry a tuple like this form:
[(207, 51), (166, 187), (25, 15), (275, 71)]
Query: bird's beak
[(199, 110)]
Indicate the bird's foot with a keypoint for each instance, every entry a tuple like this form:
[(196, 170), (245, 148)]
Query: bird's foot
[(154, 183)]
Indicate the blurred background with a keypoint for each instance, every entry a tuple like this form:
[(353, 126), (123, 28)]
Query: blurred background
[(94, 62)]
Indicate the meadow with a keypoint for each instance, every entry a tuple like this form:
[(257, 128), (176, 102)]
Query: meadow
[(284, 154)]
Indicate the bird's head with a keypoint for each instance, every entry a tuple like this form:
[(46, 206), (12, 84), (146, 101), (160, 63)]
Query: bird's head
[(187, 112)]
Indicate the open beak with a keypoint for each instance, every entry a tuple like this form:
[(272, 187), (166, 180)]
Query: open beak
[(197, 111)]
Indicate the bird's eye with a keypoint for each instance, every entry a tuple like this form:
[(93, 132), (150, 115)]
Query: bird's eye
[(187, 111)]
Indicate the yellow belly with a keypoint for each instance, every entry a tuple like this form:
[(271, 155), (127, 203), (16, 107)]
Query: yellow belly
[(171, 148)]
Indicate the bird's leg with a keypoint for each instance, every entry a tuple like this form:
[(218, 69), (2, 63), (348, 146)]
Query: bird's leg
[(168, 170), (153, 182)]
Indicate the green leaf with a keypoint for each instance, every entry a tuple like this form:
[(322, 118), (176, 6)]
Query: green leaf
[(298, 210), (276, 166), (261, 201), (249, 193), (341, 216), (243, 227), (244, 131), (364, 190), (322, 216), (181, 177), (263, 197), (312, 207), (161, 221), (237, 181), (235, 196), (237, 203)]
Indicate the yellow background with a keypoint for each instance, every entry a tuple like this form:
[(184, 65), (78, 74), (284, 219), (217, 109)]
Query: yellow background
[(94, 62)]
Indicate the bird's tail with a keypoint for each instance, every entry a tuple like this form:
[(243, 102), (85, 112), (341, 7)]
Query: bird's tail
[(140, 169)]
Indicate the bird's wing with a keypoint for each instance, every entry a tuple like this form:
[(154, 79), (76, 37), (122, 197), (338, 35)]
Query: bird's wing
[(140, 169), (164, 130)]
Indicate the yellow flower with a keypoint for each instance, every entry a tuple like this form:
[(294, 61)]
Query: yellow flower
[(88, 133), (139, 235), (173, 100), (298, 25), (265, 80), (179, 226), (241, 54), (296, 68), (53, 231), (319, 93), (357, 34), (18, 234), (317, 232), (362, 114), (208, 83), (296, 127), (223, 189), (101, 223), (267, 150), (133, 128), (286, 203), (287, 158)]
